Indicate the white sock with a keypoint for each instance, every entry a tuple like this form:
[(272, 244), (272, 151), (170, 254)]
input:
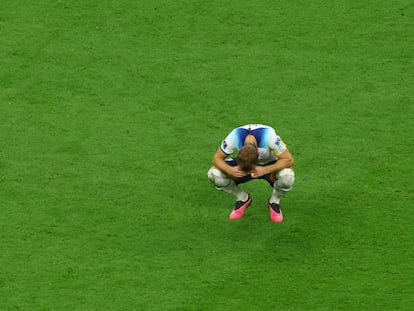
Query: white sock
[(235, 190), (276, 195)]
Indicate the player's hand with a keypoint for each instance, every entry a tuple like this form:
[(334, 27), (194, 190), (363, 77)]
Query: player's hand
[(258, 171), (236, 172)]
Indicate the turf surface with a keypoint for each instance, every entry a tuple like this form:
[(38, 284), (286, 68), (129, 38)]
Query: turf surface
[(111, 112)]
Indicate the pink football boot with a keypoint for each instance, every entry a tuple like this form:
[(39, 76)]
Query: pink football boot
[(239, 209), (276, 214)]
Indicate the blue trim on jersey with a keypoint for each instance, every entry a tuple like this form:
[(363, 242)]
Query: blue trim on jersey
[(241, 135), (260, 134)]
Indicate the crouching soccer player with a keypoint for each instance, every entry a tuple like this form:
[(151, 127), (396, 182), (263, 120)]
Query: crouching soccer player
[(261, 154)]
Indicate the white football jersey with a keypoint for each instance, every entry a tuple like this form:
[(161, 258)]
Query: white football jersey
[(269, 144)]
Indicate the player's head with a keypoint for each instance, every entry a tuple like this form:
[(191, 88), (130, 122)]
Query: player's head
[(247, 157)]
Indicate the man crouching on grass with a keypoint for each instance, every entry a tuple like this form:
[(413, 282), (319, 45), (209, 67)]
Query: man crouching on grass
[(261, 154)]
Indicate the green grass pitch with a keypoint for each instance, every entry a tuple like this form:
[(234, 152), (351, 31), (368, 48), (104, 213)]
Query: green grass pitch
[(110, 113)]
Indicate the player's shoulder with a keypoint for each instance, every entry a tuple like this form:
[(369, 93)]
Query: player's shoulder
[(263, 129), (253, 126)]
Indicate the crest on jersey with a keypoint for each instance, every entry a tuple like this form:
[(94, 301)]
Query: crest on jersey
[(224, 144)]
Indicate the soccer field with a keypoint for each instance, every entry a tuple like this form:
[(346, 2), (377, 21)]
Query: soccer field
[(111, 111)]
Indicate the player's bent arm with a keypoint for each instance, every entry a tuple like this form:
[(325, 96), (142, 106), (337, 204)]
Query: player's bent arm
[(285, 160), (219, 161)]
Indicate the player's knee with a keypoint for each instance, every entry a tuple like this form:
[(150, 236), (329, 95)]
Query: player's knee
[(284, 179), (218, 178)]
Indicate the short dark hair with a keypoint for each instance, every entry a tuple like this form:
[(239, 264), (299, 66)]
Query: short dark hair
[(247, 157)]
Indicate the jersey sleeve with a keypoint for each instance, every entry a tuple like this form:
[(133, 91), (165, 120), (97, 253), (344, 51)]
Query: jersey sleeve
[(276, 144), (229, 143)]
